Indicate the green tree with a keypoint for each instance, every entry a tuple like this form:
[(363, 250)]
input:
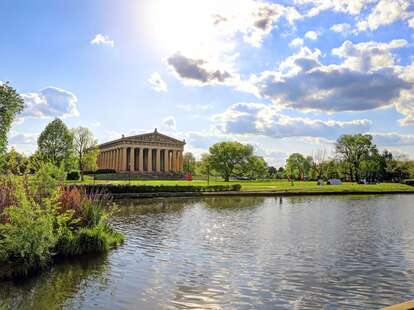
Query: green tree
[(297, 166), (56, 143), (353, 150), (225, 157), (86, 150), (189, 163), (10, 105), (15, 163), (254, 167)]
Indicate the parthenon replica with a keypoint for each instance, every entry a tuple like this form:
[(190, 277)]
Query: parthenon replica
[(150, 154)]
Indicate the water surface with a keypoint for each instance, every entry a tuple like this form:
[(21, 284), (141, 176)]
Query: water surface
[(350, 252)]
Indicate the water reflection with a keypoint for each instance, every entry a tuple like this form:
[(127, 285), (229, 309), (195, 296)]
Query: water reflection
[(242, 253), (54, 288)]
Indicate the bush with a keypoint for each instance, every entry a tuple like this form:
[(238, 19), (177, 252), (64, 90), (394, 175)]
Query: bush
[(36, 227), (27, 239), (73, 176), (409, 182), (137, 189), (104, 171)]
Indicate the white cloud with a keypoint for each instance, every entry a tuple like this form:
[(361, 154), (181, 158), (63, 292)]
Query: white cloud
[(22, 142), (368, 56), (157, 83), (386, 12), (367, 79), (296, 42), (169, 123), (312, 35), (342, 28), (101, 39), (353, 7), (50, 102), (266, 120)]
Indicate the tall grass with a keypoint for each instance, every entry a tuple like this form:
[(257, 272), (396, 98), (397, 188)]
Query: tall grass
[(40, 220)]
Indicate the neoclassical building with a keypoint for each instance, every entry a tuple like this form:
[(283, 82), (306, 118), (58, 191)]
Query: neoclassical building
[(150, 154)]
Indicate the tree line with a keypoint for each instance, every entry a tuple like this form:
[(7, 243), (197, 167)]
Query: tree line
[(356, 157)]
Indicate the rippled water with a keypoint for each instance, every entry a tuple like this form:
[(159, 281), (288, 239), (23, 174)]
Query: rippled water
[(241, 253)]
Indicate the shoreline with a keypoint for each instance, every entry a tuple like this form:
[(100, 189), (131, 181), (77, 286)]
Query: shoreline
[(138, 196)]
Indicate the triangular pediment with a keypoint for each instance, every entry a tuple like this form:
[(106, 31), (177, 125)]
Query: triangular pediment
[(154, 137)]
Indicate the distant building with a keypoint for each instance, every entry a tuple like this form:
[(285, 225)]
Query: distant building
[(148, 154)]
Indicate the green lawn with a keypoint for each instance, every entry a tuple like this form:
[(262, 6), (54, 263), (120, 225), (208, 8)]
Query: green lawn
[(273, 185)]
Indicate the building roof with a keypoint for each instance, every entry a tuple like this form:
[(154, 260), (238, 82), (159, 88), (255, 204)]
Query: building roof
[(154, 137)]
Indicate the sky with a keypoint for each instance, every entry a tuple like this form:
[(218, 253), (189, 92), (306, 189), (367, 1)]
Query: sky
[(285, 76)]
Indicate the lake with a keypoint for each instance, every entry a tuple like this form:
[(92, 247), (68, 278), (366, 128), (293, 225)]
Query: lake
[(332, 252)]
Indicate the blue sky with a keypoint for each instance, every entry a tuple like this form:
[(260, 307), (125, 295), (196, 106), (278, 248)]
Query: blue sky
[(286, 76)]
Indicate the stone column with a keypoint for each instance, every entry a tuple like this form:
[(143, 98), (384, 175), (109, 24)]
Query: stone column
[(149, 160), (132, 158), (158, 163), (124, 159), (141, 160), (174, 160), (181, 161), (117, 160), (166, 160)]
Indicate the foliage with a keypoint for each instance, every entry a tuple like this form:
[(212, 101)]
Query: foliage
[(297, 166), (35, 226), (73, 175), (353, 150), (11, 103), (225, 157), (15, 163), (56, 143), (189, 163), (136, 189), (85, 149), (30, 232), (254, 167), (47, 180)]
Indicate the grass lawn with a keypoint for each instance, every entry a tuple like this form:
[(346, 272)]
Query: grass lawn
[(272, 185)]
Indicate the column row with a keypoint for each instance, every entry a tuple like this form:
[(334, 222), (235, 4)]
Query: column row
[(140, 159)]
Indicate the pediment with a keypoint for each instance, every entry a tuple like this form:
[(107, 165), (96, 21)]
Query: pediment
[(155, 137)]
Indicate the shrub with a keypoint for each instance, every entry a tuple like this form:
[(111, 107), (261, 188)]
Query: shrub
[(105, 171), (73, 176), (409, 182), (8, 196), (27, 239), (128, 189), (46, 181)]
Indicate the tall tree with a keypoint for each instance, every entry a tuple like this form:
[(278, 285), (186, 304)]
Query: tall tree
[(86, 150), (297, 166), (353, 150), (56, 142), (226, 156), (253, 167), (189, 163), (10, 105)]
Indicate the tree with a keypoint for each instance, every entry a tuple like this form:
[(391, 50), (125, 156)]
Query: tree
[(56, 143), (297, 166), (10, 105), (272, 172), (189, 163), (226, 156), (319, 164), (353, 150), (254, 167), (15, 163), (86, 150)]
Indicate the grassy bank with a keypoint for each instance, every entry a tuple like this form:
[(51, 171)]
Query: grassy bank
[(40, 221), (272, 185)]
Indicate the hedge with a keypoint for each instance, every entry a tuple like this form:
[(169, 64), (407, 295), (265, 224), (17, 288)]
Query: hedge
[(132, 189), (409, 182), (73, 176)]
